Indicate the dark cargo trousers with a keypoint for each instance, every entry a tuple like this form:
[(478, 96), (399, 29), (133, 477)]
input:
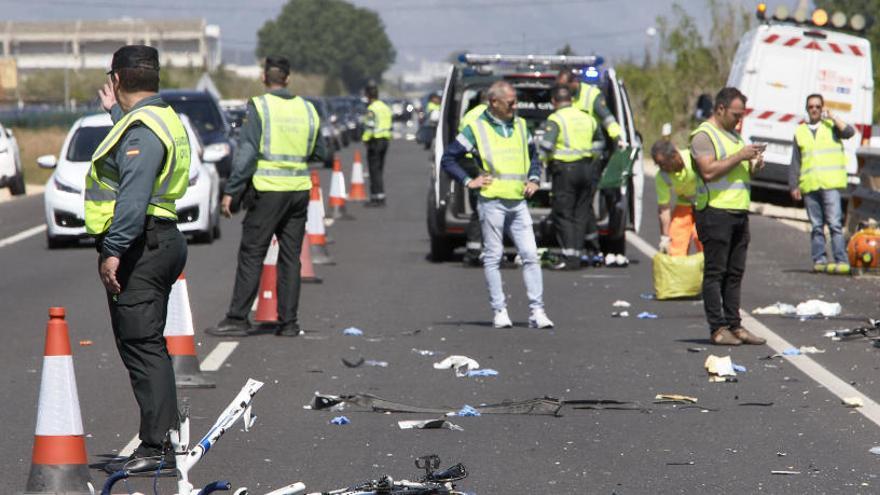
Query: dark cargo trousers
[(137, 314), (573, 189), (725, 238), (376, 150), (279, 213)]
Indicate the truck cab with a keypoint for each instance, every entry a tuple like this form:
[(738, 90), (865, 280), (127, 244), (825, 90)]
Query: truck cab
[(533, 77), (777, 65)]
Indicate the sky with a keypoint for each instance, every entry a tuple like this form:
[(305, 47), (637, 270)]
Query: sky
[(419, 29)]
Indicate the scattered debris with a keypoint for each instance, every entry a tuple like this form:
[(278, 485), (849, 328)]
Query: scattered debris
[(353, 364), (428, 424), (875, 450), (645, 315), (468, 411), (363, 362), (425, 352), (785, 472), (648, 296), (781, 454), (873, 328), (340, 420), (797, 351), (853, 402), (543, 406), (739, 368), (376, 364), (411, 333), (85, 343), (815, 307), (482, 372), (620, 314), (696, 349), (684, 463), (720, 369), (674, 398), (621, 304), (461, 364), (761, 404), (777, 308), (353, 332)]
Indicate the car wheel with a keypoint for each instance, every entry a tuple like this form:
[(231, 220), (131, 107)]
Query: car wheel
[(57, 242), (204, 237), (16, 186)]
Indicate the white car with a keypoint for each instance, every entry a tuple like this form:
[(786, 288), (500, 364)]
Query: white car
[(198, 211), (11, 175)]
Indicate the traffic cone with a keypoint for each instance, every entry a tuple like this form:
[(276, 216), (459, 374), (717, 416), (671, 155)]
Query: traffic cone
[(337, 193), (307, 268), (267, 301), (358, 192), (315, 231), (59, 463), (180, 339), (316, 184)]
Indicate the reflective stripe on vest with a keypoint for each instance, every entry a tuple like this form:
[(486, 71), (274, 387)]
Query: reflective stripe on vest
[(731, 192), (290, 130), (823, 160), (171, 183), (575, 139), (505, 158)]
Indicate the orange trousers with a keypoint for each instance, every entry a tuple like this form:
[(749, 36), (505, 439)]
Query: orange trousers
[(683, 230)]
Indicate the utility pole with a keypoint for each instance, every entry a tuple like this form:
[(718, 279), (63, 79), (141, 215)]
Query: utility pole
[(66, 79)]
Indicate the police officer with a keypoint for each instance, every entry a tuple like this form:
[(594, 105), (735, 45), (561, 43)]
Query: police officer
[(724, 165), (377, 134), (277, 140), (430, 119), (473, 236), (568, 142), (589, 98), (817, 175), (137, 172), (510, 173)]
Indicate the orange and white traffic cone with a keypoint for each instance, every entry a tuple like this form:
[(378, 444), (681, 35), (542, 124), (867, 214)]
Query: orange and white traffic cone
[(337, 193), (267, 298), (358, 191), (315, 231), (181, 341), (59, 463), (316, 184), (307, 273)]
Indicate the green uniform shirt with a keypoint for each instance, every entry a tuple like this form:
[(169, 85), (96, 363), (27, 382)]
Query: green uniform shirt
[(682, 183)]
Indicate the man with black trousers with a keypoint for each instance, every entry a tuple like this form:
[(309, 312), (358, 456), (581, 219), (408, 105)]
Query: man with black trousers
[(724, 164), (137, 172), (270, 171), (377, 135), (569, 144)]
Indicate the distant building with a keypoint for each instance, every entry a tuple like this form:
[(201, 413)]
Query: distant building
[(90, 44)]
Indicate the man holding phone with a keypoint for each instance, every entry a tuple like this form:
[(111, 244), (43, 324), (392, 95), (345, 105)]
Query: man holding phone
[(510, 173), (724, 166), (817, 175)]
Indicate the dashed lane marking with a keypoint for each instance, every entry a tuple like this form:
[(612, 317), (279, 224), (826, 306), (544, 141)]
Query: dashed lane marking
[(24, 234), (806, 364), (212, 362)]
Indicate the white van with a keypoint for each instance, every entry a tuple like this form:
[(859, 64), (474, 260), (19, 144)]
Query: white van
[(777, 65)]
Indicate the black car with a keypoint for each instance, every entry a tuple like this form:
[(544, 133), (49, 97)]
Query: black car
[(209, 121), (327, 131)]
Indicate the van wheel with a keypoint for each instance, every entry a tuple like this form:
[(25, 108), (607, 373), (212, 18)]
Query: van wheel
[(441, 245), (58, 242), (204, 237), (16, 186)]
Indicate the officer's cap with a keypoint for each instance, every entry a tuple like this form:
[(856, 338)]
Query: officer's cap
[(135, 57), (277, 62)]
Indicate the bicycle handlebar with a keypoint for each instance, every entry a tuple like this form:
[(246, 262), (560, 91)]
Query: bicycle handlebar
[(107, 489)]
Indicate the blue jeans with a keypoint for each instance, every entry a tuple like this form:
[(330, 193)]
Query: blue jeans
[(823, 208), (500, 216)]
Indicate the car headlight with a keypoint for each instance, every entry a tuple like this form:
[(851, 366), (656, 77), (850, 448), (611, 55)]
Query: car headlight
[(64, 187)]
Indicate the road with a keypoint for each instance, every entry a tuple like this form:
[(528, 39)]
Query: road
[(383, 285)]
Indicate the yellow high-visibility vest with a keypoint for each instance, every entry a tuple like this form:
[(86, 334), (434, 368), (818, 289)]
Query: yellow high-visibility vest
[(505, 158), (575, 138), (290, 130), (171, 183), (733, 191), (586, 101), (380, 127), (823, 161)]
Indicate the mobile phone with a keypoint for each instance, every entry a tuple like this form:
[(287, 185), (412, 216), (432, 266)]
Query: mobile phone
[(761, 146)]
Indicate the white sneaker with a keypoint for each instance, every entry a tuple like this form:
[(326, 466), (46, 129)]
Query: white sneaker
[(538, 319), (622, 260), (501, 320)]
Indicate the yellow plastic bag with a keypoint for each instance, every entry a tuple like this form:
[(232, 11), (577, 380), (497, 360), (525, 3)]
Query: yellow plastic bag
[(678, 276)]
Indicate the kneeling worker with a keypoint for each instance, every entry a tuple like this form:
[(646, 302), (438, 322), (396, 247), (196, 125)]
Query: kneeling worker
[(500, 142), (676, 176), (568, 143)]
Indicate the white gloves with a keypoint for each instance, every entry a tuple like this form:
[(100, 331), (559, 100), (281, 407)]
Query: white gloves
[(665, 241)]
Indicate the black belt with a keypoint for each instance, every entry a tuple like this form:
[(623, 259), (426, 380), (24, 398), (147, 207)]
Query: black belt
[(152, 225)]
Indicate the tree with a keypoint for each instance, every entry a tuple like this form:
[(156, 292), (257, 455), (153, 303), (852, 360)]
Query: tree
[(331, 38), (565, 50)]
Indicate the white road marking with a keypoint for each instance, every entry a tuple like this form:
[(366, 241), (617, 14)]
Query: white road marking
[(214, 360), (806, 364), (24, 234)]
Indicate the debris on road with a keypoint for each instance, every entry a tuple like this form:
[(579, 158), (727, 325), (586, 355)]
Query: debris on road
[(875, 450), (853, 402), (353, 364), (543, 406), (697, 349), (364, 362), (674, 398), (873, 328), (85, 343), (648, 296), (425, 352), (621, 304), (468, 411), (797, 351), (646, 315), (461, 364), (376, 364), (776, 308), (353, 332), (411, 333), (428, 424), (620, 314), (783, 472), (761, 404), (340, 420), (739, 368), (719, 368), (683, 463), (812, 307), (482, 372), (603, 404)]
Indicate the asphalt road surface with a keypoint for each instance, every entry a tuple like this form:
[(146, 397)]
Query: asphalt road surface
[(383, 284)]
